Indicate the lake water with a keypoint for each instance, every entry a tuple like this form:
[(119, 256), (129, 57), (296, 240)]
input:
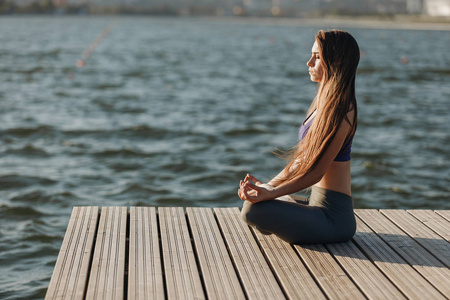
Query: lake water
[(175, 111)]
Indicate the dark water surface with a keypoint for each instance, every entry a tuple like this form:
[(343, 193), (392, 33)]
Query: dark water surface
[(174, 112)]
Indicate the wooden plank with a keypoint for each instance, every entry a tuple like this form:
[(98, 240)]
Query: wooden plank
[(430, 240), (444, 213), (108, 265), (366, 275), (70, 275), (426, 264), (375, 246), (219, 276), (145, 277), (330, 276), (256, 277), (292, 274), (434, 221), (181, 272)]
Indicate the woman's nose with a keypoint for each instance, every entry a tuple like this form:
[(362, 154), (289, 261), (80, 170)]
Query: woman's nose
[(310, 63)]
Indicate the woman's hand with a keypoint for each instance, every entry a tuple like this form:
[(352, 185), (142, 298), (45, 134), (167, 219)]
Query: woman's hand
[(249, 177), (251, 190)]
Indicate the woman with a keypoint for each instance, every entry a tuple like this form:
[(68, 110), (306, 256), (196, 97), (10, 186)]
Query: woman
[(320, 160)]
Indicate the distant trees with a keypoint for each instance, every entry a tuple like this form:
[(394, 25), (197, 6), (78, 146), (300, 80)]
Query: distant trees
[(5, 6), (42, 6), (274, 8)]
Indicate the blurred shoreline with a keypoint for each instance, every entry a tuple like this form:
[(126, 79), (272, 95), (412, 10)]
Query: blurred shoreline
[(381, 17), (400, 22)]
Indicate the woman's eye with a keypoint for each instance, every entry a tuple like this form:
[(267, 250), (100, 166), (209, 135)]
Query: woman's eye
[(317, 57)]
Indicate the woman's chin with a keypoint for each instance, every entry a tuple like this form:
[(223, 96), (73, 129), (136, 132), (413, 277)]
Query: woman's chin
[(314, 79)]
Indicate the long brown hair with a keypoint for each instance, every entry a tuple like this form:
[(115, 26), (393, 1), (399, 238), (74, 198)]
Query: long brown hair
[(335, 97)]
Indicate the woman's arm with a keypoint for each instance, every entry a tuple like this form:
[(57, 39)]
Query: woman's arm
[(254, 193), (273, 181)]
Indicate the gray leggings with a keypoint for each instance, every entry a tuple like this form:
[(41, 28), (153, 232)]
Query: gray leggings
[(326, 218)]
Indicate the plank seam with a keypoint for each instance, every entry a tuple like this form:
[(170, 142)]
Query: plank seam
[(316, 280), (266, 258), (110, 249), (102, 247), (403, 258), (181, 242), (424, 223), (228, 272), (222, 254), (197, 260), (117, 248), (258, 263), (345, 271), (91, 256), (413, 238), (204, 242), (240, 239), (109, 253), (127, 254), (276, 243), (204, 223), (161, 256), (232, 271), (377, 266), (145, 230), (233, 263), (132, 264), (200, 246), (171, 258), (283, 258), (424, 273), (381, 237), (373, 261), (439, 213)]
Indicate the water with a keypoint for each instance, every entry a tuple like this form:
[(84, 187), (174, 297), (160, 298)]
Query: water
[(174, 112)]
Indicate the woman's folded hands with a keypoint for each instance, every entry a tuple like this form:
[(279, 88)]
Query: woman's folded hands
[(253, 190)]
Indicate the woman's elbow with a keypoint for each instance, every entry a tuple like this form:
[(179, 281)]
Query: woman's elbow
[(317, 175)]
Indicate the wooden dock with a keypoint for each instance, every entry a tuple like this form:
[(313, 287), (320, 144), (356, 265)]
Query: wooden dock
[(204, 253)]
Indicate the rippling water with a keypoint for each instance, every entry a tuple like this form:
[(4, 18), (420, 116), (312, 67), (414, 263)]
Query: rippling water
[(176, 111)]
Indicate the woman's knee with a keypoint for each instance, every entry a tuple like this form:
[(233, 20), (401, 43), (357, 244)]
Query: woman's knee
[(350, 229), (254, 214), (247, 213)]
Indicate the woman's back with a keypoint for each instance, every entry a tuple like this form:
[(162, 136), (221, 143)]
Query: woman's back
[(337, 178)]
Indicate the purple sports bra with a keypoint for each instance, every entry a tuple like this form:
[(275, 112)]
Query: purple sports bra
[(344, 153)]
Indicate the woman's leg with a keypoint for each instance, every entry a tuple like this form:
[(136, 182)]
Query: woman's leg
[(293, 222), (328, 218)]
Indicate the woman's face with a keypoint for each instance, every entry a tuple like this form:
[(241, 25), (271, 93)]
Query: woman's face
[(315, 65)]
